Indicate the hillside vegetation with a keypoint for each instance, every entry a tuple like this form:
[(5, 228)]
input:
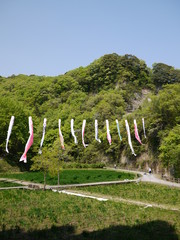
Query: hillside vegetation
[(48, 215), (106, 89)]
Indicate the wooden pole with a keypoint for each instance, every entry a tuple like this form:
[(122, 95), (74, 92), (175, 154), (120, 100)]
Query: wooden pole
[(44, 180), (58, 175)]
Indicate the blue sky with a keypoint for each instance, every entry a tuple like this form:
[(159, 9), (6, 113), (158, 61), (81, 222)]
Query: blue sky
[(50, 37)]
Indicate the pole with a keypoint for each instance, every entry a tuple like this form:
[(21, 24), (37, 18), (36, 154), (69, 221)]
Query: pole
[(59, 165), (44, 180), (58, 175)]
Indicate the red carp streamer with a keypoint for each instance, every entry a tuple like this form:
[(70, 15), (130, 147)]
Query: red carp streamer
[(29, 142), (136, 132)]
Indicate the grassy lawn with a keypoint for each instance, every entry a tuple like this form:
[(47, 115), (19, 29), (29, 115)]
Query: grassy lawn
[(145, 192), (8, 184), (72, 176), (48, 215)]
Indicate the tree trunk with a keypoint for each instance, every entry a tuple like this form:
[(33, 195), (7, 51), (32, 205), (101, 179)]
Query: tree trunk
[(58, 177), (44, 180)]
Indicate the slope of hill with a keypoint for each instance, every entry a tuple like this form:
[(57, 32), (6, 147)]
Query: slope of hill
[(106, 89)]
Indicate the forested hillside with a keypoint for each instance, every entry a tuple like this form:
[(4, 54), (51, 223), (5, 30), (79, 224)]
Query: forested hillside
[(112, 87)]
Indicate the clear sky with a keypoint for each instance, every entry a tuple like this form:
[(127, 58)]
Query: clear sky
[(50, 37)]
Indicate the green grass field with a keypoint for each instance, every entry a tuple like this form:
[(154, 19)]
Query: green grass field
[(145, 192), (72, 176), (8, 184), (47, 215), (26, 214)]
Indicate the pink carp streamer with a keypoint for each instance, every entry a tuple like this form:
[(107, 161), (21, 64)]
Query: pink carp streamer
[(129, 137), (136, 132), (83, 131), (9, 132), (61, 136), (96, 131), (29, 142), (108, 132), (144, 127), (72, 131), (42, 140)]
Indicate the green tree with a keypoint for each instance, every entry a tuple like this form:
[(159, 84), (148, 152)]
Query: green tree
[(170, 150), (42, 163), (164, 74)]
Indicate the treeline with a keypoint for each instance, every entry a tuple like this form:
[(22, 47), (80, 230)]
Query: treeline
[(106, 89)]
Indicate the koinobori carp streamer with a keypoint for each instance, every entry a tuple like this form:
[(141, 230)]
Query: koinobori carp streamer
[(129, 137), (108, 132), (83, 131), (119, 133), (96, 131), (29, 142), (144, 127), (72, 131), (136, 132), (43, 135), (60, 135), (9, 132)]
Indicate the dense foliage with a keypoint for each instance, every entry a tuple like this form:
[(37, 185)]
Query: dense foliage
[(109, 88), (164, 74)]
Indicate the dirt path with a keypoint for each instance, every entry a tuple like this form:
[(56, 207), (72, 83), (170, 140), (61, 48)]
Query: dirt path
[(125, 181), (18, 187), (154, 179), (101, 197), (41, 186), (24, 183), (146, 177)]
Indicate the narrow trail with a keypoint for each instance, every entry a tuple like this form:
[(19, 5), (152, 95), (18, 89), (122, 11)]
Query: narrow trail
[(18, 187), (100, 197), (146, 177), (41, 186), (152, 178), (22, 182)]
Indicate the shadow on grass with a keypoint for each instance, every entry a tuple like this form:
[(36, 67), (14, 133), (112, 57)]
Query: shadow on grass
[(148, 231)]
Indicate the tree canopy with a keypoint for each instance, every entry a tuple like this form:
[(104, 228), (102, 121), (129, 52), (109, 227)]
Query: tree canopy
[(108, 88)]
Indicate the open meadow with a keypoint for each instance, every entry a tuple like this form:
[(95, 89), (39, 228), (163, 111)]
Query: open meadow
[(35, 215), (70, 176), (144, 192), (38, 214)]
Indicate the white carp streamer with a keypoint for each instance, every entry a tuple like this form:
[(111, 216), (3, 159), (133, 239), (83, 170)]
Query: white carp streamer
[(83, 131), (96, 131), (129, 137), (60, 135), (117, 123), (136, 132), (9, 132), (144, 127), (29, 142), (108, 132), (43, 135), (72, 131)]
